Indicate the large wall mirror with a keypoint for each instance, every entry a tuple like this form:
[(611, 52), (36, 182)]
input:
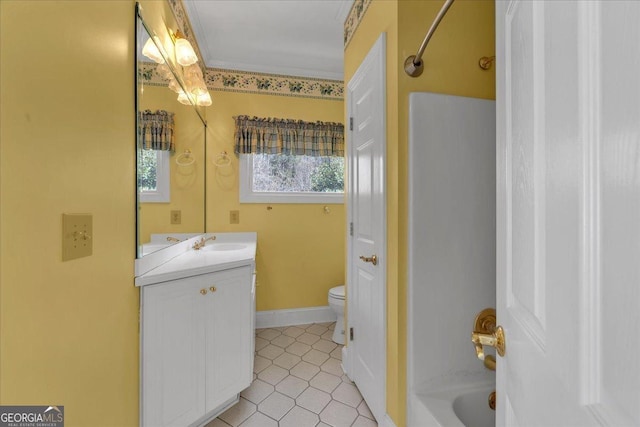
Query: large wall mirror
[(170, 143)]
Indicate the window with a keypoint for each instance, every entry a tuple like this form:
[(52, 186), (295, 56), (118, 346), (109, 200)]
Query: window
[(282, 178), (153, 176)]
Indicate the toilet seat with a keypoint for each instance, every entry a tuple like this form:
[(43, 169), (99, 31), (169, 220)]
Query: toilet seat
[(337, 292)]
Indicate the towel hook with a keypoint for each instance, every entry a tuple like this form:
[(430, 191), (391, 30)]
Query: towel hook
[(222, 160), (185, 159)]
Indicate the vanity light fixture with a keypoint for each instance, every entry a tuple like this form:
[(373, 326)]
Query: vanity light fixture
[(185, 55), (183, 98), (151, 51), (204, 100)]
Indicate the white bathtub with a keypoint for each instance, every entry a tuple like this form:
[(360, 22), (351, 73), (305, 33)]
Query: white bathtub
[(459, 405)]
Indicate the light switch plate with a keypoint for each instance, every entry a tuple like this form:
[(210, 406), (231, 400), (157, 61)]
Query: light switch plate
[(176, 217), (234, 217), (77, 236)]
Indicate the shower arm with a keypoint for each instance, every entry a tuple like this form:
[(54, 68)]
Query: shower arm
[(414, 65)]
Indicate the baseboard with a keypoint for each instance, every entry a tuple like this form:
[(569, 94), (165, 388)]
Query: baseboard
[(294, 316)]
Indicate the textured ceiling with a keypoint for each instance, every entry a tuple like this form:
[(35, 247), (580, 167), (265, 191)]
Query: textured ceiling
[(291, 37)]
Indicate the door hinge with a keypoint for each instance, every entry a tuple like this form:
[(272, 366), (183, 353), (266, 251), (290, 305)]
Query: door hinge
[(350, 229), (350, 123), (350, 334)]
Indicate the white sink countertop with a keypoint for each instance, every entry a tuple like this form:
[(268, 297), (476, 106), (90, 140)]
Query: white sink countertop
[(229, 250)]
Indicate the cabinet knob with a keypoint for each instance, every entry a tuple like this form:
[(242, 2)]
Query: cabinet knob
[(203, 291), (213, 289)]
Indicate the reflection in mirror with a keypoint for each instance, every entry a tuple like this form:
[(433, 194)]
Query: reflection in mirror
[(170, 148)]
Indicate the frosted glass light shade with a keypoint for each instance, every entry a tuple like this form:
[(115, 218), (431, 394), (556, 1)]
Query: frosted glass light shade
[(205, 100), (183, 98), (198, 87), (150, 50), (185, 55), (174, 85)]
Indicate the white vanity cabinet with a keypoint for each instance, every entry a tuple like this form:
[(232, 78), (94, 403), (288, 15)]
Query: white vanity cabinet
[(197, 339)]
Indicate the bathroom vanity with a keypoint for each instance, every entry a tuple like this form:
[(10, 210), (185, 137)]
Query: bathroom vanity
[(197, 319)]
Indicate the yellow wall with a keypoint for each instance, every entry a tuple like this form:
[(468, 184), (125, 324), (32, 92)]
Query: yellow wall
[(465, 35), (300, 248), (187, 182), (69, 330)]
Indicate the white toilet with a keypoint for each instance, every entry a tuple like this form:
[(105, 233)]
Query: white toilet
[(336, 302)]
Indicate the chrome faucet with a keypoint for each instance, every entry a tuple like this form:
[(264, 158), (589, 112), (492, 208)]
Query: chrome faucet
[(172, 239), (200, 243)]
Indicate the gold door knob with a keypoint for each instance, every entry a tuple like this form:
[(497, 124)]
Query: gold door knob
[(213, 289), (373, 259), (485, 332), (203, 291)]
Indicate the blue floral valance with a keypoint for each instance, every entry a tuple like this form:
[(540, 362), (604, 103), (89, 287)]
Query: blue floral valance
[(287, 136), (156, 130)]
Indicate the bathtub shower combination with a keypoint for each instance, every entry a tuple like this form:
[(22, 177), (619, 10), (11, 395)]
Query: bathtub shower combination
[(451, 258)]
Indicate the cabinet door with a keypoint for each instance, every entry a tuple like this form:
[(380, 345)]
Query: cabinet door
[(229, 335), (173, 351)]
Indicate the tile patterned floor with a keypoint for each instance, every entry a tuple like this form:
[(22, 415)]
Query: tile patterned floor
[(298, 382)]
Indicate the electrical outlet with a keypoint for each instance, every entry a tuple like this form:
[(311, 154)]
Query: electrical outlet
[(234, 217), (176, 217), (77, 236)]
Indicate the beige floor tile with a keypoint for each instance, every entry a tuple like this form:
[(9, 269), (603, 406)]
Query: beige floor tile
[(286, 360), (338, 414), (257, 392), (298, 348), (273, 374), (217, 423), (346, 379), (261, 343), (363, 409), (283, 341), (260, 364), (332, 327), (364, 422), (315, 357), (305, 370), (235, 415), (299, 417), (269, 334), (313, 400), (276, 405), (347, 394), (292, 386), (325, 382), (326, 324), (293, 331), (327, 335), (325, 346), (337, 353), (271, 351), (308, 338), (298, 382), (333, 366), (259, 420), (317, 329)]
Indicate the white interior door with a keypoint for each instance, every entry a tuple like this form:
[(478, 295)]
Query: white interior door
[(568, 207), (366, 289)]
